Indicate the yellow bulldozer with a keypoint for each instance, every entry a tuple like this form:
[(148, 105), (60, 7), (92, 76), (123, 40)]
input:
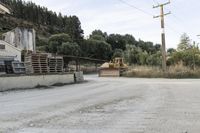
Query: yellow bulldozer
[(113, 68)]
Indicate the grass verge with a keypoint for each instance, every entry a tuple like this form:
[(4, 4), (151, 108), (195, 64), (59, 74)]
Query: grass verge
[(174, 72)]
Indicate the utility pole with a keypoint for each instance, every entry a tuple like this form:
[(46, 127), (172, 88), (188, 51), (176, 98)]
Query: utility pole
[(163, 49), (194, 54)]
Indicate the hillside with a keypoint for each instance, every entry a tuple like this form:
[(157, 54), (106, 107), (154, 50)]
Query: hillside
[(46, 22)]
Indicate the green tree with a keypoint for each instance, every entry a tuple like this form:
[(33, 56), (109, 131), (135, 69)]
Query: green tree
[(73, 28), (157, 47), (143, 58), (148, 47), (102, 50), (118, 53), (154, 59), (96, 49), (131, 55), (60, 38), (97, 37), (185, 42), (100, 33), (116, 41), (171, 51), (55, 42), (189, 57), (87, 48), (68, 48), (53, 46), (130, 40)]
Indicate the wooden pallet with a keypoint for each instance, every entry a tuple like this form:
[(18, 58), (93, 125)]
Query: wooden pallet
[(36, 63), (55, 64)]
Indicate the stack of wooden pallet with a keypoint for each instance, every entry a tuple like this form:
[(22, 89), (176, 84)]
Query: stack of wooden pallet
[(55, 64), (36, 63)]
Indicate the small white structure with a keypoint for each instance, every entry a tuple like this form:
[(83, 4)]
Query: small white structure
[(22, 38), (9, 52)]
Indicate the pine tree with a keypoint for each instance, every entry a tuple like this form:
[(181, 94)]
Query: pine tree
[(185, 43)]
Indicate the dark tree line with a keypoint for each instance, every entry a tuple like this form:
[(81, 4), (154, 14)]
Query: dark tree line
[(100, 45), (56, 23), (126, 46)]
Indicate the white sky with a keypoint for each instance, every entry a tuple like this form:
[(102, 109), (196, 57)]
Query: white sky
[(113, 16)]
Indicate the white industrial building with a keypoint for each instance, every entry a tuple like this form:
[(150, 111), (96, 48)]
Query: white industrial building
[(8, 51), (22, 38), (8, 54)]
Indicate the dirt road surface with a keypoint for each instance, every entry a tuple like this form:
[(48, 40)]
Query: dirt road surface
[(105, 105)]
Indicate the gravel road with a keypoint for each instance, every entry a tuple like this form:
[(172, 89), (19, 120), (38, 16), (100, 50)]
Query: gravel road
[(104, 105)]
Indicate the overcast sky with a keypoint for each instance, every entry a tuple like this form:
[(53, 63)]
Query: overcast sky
[(113, 16)]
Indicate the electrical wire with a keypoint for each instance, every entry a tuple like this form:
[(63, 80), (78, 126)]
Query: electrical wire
[(149, 14), (130, 5), (155, 1), (181, 23)]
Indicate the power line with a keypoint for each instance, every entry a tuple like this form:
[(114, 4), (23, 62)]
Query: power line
[(181, 23), (155, 1), (149, 14), (130, 5)]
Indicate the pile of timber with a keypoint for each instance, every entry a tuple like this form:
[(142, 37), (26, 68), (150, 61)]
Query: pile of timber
[(55, 64), (36, 63)]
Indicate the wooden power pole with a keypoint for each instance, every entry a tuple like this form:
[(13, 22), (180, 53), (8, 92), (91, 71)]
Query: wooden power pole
[(163, 49)]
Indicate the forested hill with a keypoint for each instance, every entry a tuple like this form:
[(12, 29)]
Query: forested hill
[(61, 34), (46, 22)]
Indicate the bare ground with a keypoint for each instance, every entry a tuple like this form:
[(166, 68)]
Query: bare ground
[(105, 105)]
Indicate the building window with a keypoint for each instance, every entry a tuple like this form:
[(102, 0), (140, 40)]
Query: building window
[(2, 46)]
